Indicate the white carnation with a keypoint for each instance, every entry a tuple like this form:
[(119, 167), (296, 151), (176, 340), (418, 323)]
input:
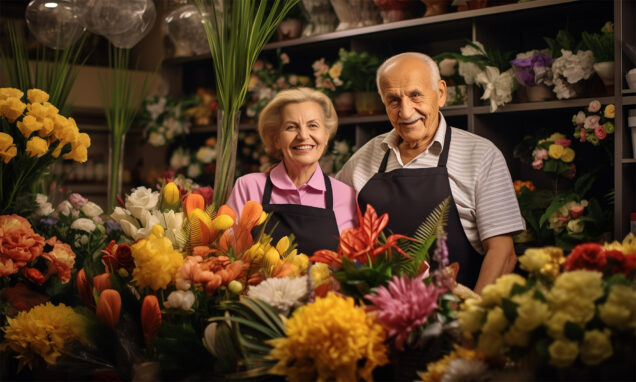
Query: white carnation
[(91, 209), (281, 293), (44, 207), (180, 300), (83, 224)]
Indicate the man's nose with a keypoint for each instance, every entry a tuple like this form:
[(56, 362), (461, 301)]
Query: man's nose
[(406, 109)]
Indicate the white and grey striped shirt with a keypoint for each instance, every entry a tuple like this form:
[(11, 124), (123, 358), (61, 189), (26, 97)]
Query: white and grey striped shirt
[(479, 179)]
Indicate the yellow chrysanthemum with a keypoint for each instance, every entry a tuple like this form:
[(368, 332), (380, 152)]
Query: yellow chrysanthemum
[(28, 125), (568, 155), (37, 147), (319, 273), (7, 148), (11, 109), (157, 262), (555, 151), (330, 338), (435, 370), (37, 95), (42, 331)]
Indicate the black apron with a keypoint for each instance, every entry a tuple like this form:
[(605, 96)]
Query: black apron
[(410, 195), (313, 228)]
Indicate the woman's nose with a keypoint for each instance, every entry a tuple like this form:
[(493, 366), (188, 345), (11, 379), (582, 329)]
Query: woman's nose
[(303, 132)]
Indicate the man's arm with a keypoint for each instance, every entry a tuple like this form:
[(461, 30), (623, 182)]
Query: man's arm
[(500, 259)]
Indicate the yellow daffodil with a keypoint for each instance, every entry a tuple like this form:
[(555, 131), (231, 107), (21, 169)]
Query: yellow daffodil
[(28, 125), (11, 109), (37, 147), (7, 148), (37, 96), (6, 93)]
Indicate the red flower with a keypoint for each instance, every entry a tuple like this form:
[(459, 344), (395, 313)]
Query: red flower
[(206, 192), (118, 256), (34, 275), (616, 262), (20, 297), (590, 256), (576, 211), (150, 318)]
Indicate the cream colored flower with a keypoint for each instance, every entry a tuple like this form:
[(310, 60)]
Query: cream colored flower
[(534, 259), (619, 310), (516, 337), (596, 347), (471, 316), (283, 294), (490, 344), (563, 353), (496, 321), (531, 312), (492, 294)]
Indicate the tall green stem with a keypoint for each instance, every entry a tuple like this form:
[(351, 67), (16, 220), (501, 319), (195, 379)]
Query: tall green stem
[(227, 139), (116, 150)]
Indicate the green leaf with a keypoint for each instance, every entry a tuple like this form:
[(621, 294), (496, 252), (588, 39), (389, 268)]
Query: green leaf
[(519, 289), (509, 308), (557, 203), (573, 332), (256, 326)]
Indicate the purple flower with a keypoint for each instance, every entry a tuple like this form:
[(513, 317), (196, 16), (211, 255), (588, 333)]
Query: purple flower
[(49, 220), (525, 67), (404, 306), (111, 226)]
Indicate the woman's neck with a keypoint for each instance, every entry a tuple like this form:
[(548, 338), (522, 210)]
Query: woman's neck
[(300, 174)]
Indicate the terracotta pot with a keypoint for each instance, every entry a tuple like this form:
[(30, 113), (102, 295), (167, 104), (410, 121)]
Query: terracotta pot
[(344, 103), (289, 29), (538, 93), (436, 7)]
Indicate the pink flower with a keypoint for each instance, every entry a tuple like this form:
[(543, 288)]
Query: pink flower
[(258, 65), (284, 58), (541, 154), (537, 164), (591, 121), (329, 85), (77, 200), (582, 133), (562, 218), (563, 142), (576, 211), (19, 245), (404, 306), (594, 106), (600, 132)]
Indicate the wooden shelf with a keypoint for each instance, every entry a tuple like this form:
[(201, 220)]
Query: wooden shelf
[(546, 105)]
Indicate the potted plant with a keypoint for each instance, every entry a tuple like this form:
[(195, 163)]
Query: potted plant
[(359, 68), (533, 70), (602, 46), (455, 85), (571, 67)]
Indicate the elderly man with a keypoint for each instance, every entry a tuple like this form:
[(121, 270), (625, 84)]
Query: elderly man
[(410, 170)]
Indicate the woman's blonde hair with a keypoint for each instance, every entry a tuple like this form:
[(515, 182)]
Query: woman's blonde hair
[(269, 121)]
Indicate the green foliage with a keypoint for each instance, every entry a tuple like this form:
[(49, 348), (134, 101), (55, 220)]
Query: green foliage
[(359, 68), (357, 280), (601, 44), (563, 40)]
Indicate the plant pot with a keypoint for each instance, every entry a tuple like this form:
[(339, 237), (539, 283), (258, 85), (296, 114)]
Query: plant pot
[(456, 95), (395, 10), (289, 29), (605, 71), (538, 93), (630, 77), (344, 103), (368, 103), (436, 7)]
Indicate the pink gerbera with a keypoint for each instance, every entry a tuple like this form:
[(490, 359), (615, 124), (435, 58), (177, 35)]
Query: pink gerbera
[(405, 305)]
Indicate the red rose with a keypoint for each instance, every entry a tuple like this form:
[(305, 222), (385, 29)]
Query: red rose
[(615, 261), (124, 256), (629, 266), (590, 256), (206, 192), (34, 275)]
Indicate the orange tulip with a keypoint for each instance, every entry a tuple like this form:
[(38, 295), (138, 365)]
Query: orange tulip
[(109, 307), (250, 214), (226, 210), (84, 288), (150, 318), (102, 282), (193, 201)]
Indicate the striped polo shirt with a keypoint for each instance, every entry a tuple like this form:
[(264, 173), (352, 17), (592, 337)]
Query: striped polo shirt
[(479, 179)]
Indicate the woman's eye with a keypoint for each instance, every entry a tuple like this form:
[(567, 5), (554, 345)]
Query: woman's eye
[(290, 127)]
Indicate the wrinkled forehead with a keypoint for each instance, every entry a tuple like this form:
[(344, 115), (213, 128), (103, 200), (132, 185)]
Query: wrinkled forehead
[(397, 79)]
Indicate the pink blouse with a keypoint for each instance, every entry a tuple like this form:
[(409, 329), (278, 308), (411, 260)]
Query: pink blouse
[(284, 191)]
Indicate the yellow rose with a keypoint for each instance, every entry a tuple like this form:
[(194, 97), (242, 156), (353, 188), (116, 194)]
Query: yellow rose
[(531, 312), (471, 316), (28, 125), (610, 111), (490, 344), (301, 261), (555, 151), (7, 148), (336, 70), (555, 323), (596, 347), (47, 128), (495, 321), (629, 244), (78, 154), (37, 147), (492, 294), (6, 141), (6, 93), (319, 273), (619, 310), (580, 284), (568, 155), (516, 337), (37, 96), (534, 259), (563, 353), (556, 136), (11, 109)]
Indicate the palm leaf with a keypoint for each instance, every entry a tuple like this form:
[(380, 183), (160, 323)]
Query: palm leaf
[(425, 236)]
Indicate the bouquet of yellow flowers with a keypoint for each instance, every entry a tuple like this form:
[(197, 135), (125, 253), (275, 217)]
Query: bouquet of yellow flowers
[(33, 136)]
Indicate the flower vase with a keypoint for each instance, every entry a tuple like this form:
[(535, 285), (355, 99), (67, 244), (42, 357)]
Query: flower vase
[(538, 93), (115, 168), (226, 143), (344, 103), (368, 103)]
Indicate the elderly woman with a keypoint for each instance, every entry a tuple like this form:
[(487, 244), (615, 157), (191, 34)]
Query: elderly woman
[(296, 127)]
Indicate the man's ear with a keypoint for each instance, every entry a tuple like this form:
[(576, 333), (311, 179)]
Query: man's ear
[(441, 93)]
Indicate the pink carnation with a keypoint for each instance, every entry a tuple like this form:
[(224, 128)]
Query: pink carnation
[(582, 133), (537, 164), (594, 106), (61, 259), (77, 200), (541, 154), (404, 306), (600, 132)]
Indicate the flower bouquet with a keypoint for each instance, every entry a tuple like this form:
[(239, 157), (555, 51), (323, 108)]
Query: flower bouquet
[(570, 66), (572, 316), (204, 112), (594, 124), (533, 70), (328, 77), (33, 136), (602, 47), (199, 164)]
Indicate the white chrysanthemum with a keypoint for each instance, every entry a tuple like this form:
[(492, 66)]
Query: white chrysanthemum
[(281, 293), (194, 170), (574, 67), (497, 86), (206, 154), (466, 370), (44, 207)]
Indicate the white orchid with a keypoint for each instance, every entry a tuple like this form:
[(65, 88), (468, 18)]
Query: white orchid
[(497, 86)]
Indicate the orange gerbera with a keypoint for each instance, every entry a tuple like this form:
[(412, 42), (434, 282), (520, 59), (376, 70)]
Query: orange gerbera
[(361, 243)]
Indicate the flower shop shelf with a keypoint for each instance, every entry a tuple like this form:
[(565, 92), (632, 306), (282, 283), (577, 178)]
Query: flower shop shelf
[(202, 129), (532, 106)]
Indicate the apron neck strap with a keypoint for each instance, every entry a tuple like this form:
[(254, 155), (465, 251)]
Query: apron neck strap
[(441, 162), (267, 192)]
